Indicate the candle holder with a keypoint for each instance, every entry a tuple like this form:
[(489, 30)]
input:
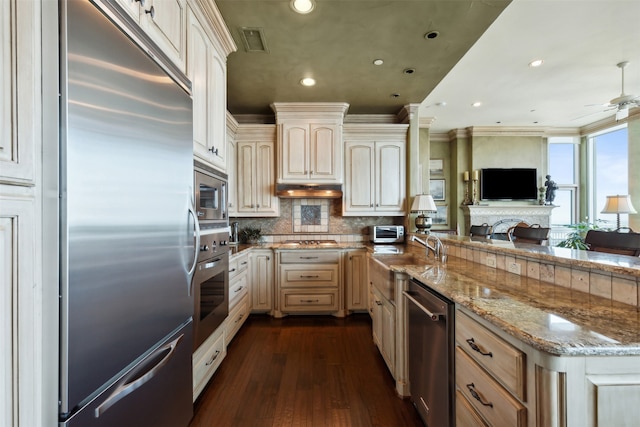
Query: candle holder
[(475, 192), (467, 200)]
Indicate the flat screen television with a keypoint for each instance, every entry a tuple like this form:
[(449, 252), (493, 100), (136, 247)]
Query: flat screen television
[(509, 184)]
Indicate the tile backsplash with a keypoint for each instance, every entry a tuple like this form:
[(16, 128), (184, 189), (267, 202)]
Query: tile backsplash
[(336, 224)]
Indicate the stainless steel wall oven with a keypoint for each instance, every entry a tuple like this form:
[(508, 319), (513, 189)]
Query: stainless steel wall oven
[(211, 285)]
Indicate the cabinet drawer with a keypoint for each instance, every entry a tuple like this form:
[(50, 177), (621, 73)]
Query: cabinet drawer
[(303, 275), (237, 265), (488, 397), (237, 289), (309, 301), (305, 256), (206, 360), (497, 356), (466, 416), (237, 316)]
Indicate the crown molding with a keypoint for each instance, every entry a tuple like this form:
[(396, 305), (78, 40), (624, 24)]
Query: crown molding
[(256, 132), (505, 131), (371, 118), (218, 26), (425, 122), (377, 131), (232, 124), (305, 110)]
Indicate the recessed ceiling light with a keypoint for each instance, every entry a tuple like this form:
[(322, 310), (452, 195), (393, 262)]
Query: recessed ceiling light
[(476, 104), (409, 70), (308, 81), (378, 62), (302, 6), (536, 63), (395, 95), (441, 104)]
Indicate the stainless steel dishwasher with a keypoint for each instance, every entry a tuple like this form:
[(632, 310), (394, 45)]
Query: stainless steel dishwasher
[(431, 368)]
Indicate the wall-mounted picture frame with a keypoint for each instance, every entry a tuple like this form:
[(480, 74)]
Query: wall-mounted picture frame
[(441, 217), (436, 189), (436, 167)]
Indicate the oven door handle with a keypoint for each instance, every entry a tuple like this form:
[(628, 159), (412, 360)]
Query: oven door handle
[(432, 316), (196, 229)]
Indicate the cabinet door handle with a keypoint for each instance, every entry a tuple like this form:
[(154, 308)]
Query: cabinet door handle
[(238, 290), (232, 270), (378, 303), (141, 2), (243, 263), (239, 318), (309, 300), (308, 257), (309, 277), (213, 358), (475, 347), (152, 13), (476, 395)]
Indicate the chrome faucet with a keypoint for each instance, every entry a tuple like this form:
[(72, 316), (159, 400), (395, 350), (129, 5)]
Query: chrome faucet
[(437, 248)]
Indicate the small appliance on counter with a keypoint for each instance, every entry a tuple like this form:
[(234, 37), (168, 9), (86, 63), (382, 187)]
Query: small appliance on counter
[(386, 234)]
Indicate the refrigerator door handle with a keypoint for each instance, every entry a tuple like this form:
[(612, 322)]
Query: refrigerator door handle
[(138, 377), (196, 228)]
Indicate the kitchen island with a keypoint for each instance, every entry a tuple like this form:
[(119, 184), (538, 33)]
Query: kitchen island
[(570, 348)]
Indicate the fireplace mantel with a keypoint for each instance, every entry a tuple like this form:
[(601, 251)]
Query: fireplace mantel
[(506, 215)]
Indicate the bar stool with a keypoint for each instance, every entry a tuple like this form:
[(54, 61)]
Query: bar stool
[(613, 242), (529, 234), (483, 230)]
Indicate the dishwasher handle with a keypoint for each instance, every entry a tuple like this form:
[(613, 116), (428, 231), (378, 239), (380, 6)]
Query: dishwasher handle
[(433, 316)]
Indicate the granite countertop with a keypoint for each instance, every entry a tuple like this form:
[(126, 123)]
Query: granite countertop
[(612, 263), (550, 318), (236, 249)]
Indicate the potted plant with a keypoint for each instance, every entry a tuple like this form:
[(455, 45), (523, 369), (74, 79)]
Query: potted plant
[(250, 235), (575, 239)]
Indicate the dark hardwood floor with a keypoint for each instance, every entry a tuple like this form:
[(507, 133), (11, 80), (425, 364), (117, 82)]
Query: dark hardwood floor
[(303, 371)]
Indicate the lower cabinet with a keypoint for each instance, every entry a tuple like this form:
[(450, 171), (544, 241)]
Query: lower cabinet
[(309, 281), (383, 319), (237, 316), (206, 360), (261, 278), (355, 283)]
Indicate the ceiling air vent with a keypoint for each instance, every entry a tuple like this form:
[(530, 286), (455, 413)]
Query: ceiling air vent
[(253, 39)]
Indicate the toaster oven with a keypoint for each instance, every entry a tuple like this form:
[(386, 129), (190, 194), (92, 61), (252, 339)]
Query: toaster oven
[(386, 233)]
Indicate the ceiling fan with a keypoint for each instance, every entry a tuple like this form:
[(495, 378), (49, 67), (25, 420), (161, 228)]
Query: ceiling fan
[(623, 102)]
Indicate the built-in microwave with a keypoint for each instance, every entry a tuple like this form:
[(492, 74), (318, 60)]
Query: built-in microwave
[(386, 233), (210, 197)]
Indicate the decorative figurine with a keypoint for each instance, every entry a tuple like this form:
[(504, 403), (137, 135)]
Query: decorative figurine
[(551, 190)]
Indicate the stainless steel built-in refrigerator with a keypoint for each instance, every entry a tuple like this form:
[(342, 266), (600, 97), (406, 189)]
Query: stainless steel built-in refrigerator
[(126, 230)]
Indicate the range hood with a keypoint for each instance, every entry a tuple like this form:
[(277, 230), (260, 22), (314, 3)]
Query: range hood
[(309, 191)]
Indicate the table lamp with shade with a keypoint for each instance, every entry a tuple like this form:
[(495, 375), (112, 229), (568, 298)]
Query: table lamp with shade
[(619, 205), (421, 204)]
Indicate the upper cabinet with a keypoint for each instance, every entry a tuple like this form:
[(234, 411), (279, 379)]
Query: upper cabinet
[(165, 22), (232, 164), (310, 142), (206, 68), (20, 90), (375, 170), (255, 172)]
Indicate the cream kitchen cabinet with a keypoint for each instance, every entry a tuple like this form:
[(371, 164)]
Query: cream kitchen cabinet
[(206, 359), (375, 170), (262, 278), (232, 164), (206, 68), (310, 142), (164, 21), (255, 172), (239, 294), (383, 319), (310, 152), (356, 280)]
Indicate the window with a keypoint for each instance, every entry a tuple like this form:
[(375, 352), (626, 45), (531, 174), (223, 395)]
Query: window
[(609, 174), (563, 160)]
